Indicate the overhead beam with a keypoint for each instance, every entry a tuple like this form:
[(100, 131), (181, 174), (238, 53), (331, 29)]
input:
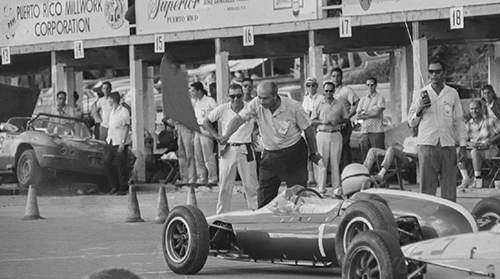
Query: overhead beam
[(476, 29), (96, 58), (288, 45), (183, 52)]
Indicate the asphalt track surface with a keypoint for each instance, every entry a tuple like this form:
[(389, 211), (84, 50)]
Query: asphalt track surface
[(82, 234)]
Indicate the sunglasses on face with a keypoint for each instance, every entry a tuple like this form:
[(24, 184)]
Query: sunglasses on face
[(328, 91), (237, 96), (437, 72), (370, 84), (311, 85)]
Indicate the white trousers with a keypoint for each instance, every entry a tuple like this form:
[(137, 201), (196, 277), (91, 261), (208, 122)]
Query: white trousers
[(235, 158), (330, 148), (205, 159), (185, 155)]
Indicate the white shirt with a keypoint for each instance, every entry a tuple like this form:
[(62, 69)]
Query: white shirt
[(105, 108), (119, 118), (224, 114), (443, 122), (202, 108), (345, 94), (311, 102)]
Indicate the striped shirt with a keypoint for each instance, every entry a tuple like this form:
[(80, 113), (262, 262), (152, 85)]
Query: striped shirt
[(486, 128)]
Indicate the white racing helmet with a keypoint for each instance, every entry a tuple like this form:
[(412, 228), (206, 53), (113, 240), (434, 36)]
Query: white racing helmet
[(355, 177)]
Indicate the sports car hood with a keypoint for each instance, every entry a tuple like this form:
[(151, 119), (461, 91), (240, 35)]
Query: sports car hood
[(17, 101)]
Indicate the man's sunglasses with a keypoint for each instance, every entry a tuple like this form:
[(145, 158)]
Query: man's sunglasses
[(437, 72), (237, 96)]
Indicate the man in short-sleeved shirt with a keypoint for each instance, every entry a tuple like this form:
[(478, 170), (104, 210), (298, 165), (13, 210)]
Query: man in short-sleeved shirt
[(237, 155), (206, 165), (346, 95), (281, 122), (370, 110), (104, 109), (331, 113)]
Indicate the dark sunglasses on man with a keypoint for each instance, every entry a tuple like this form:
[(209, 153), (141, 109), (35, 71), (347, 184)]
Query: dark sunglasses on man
[(237, 96)]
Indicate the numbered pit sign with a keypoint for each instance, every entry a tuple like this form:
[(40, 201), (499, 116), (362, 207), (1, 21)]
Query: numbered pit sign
[(248, 36), (159, 43), (5, 55), (457, 18), (345, 28), (78, 49)]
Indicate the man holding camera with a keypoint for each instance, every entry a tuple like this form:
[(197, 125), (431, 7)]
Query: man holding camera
[(437, 112)]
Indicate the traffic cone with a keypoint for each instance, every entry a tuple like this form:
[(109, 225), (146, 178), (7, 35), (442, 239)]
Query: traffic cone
[(163, 210), (191, 197), (31, 212), (134, 215)]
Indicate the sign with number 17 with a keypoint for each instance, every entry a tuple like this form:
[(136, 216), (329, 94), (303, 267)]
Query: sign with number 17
[(345, 28)]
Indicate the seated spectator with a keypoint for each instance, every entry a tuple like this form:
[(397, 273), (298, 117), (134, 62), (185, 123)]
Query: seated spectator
[(483, 132), (396, 151), (492, 103)]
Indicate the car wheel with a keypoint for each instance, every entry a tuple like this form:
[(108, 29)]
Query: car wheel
[(186, 240), (487, 213), (362, 216), (374, 255), (28, 170)]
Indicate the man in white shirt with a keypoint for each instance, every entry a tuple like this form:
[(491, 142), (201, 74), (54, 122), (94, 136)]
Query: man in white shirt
[(350, 100), (311, 101), (206, 166), (119, 140), (437, 112), (104, 109), (237, 154)]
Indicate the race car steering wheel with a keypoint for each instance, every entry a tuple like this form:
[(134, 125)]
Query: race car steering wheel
[(306, 190)]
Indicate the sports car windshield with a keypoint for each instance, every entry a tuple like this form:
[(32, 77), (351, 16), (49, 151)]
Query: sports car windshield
[(64, 127)]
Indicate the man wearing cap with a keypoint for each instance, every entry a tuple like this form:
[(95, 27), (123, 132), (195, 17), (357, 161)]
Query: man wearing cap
[(329, 115), (203, 143), (350, 100), (281, 123), (370, 110), (310, 104), (237, 155), (119, 140)]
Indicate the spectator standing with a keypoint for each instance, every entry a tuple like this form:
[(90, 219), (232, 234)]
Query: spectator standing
[(61, 107), (77, 110), (206, 166), (492, 103), (311, 101), (94, 112), (247, 86), (483, 131), (237, 154), (331, 113), (370, 110), (185, 155), (104, 109), (119, 140), (437, 112), (281, 122), (350, 100)]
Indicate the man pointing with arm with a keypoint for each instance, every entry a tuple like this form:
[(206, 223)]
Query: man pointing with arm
[(281, 122)]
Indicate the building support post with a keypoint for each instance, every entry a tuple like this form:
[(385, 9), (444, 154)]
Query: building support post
[(136, 83)]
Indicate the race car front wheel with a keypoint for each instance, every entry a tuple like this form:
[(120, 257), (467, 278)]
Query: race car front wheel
[(363, 215), (28, 170), (374, 255), (186, 240)]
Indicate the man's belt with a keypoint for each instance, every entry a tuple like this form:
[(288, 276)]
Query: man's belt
[(237, 143), (328, 131)]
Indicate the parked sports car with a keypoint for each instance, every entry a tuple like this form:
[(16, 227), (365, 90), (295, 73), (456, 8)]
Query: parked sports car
[(301, 227), (31, 146)]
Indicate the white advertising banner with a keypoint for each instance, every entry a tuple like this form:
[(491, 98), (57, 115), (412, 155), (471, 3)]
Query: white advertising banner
[(27, 22), (164, 16), (367, 7)]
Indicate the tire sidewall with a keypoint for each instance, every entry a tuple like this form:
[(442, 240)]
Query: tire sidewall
[(487, 207), (374, 214), (27, 155)]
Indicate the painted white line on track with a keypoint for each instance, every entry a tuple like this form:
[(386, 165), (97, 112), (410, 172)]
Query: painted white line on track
[(88, 257)]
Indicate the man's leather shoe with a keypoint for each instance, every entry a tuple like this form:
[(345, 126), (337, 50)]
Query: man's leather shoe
[(113, 191)]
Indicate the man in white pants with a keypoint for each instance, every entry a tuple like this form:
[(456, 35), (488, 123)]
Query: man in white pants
[(203, 143), (330, 114), (237, 154)]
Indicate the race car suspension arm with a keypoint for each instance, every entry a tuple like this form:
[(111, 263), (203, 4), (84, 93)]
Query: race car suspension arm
[(480, 273)]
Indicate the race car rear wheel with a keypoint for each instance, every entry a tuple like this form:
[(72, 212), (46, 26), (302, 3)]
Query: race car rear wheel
[(374, 255), (186, 240), (363, 215), (28, 170), (487, 213)]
